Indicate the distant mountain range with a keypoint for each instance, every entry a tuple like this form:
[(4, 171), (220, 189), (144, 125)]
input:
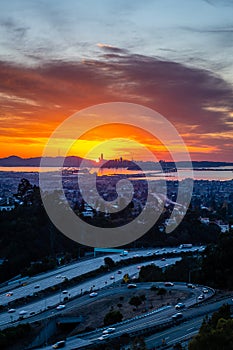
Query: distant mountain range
[(15, 161), (74, 161)]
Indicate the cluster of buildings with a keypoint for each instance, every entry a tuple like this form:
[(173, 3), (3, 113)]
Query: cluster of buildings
[(212, 199)]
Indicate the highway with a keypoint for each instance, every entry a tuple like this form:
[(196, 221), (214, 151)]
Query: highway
[(55, 277), (145, 321), (153, 318), (41, 305), (190, 327), (182, 332)]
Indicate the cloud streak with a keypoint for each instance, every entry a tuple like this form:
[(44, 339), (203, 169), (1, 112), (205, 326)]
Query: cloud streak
[(196, 101)]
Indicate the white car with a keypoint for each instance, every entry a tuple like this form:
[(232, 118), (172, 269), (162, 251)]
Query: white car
[(93, 294), (60, 307), (168, 284), (11, 311), (177, 316), (179, 306), (23, 312), (104, 336), (59, 344), (201, 297), (205, 290), (109, 330)]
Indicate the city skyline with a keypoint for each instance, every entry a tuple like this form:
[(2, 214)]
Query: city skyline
[(175, 58)]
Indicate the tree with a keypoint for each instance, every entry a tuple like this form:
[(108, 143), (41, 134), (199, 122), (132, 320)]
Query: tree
[(109, 262), (143, 297), (135, 301), (216, 333), (154, 288), (223, 312), (150, 273), (138, 344), (112, 317), (162, 292)]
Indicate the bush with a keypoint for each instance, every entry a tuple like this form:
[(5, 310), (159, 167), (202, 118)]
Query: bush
[(112, 317)]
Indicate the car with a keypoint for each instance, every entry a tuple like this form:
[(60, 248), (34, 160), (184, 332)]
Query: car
[(190, 285), (136, 256), (59, 344), (201, 297), (205, 290), (177, 316), (109, 330), (65, 292), (23, 312), (37, 286), (168, 284), (9, 294), (104, 336), (60, 307), (32, 313), (58, 276), (163, 259), (11, 311), (132, 285), (139, 267), (119, 272), (112, 278), (179, 306), (93, 294)]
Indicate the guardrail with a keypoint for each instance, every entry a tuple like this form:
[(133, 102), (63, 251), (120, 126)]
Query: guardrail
[(126, 321)]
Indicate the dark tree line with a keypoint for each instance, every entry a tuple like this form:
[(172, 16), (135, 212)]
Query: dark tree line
[(216, 332)]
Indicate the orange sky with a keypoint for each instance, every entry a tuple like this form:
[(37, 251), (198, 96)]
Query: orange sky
[(35, 100), (58, 57)]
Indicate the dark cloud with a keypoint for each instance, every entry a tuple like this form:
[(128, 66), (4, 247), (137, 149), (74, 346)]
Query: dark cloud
[(193, 99), (13, 29), (113, 49)]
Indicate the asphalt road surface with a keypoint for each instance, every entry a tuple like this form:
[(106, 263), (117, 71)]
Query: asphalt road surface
[(41, 305), (52, 278), (159, 316)]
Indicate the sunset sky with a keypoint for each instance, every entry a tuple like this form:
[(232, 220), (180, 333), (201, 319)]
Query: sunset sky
[(58, 57)]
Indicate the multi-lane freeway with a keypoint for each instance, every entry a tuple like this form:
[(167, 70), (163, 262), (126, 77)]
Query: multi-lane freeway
[(50, 302), (46, 306), (185, 331), (55, 277), (145, 321)]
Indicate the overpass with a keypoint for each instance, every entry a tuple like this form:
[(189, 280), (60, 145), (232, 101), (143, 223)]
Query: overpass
[(69, 320)]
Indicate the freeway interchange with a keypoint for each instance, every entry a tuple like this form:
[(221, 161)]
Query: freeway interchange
[(44, 308), (53, 278), (140, 323)]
